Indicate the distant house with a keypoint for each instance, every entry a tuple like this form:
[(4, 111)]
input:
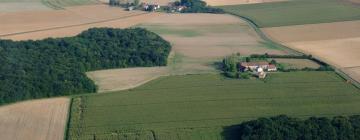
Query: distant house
[(254, 65), (150, 7)]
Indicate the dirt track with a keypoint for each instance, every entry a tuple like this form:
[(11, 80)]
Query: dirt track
[(34, 120)]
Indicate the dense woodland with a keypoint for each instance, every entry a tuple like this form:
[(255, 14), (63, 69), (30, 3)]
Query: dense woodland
[(56, 67), (286, 128), (198, 6)]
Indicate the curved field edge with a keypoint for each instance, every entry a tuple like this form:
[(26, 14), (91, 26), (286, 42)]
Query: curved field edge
[(265, 37), (62, 71)]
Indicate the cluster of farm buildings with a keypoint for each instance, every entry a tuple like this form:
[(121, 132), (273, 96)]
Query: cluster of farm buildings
[(132, 5), (258, 68)]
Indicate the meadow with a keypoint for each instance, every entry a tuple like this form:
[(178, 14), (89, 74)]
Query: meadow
[(296, 12), (200, 106)]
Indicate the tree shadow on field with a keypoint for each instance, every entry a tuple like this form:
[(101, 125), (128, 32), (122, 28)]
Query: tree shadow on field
[(232, 132)]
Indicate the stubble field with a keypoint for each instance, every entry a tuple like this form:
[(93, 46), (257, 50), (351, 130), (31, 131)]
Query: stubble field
[(34, 120), (335, 43), (69, 22)]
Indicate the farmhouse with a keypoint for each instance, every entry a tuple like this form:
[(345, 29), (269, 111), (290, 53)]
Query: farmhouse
[(272, 67), (253, 66), (258, 68), (150, 7), (260, 73)]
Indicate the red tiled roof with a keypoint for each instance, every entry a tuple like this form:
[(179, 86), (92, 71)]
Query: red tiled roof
[(254, 63), (271, 67)]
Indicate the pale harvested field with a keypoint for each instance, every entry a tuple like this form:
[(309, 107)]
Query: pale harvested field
[(34, 120), (336, 43), (237, 2), (197, 44), (313, 32), (297, 63), (353, 72), (208, 35), (75, 19), (341, 53), (120, 79)]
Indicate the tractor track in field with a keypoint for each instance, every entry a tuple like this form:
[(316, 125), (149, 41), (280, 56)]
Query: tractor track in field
[(75, 25)]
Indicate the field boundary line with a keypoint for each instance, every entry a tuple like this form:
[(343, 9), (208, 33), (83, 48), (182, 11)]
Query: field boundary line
[(213, 100), (74, 25), (212, 119), (343, 75), (67, 125), (263, 36), (221, 85)]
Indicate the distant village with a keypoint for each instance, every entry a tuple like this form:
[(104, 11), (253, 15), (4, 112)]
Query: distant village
[(150, 7)]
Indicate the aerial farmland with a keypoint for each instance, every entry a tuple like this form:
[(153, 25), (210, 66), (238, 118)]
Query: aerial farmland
[(179, 70)]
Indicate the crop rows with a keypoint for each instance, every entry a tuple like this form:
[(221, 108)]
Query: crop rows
[(198, 106)]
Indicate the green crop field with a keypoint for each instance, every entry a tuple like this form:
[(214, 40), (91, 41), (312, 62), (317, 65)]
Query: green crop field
[(297, 12), (200, 106)]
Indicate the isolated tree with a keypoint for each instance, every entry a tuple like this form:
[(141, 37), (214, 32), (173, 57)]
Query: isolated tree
[(273, 61)]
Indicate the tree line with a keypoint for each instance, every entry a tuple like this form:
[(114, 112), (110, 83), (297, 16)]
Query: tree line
[(286, 128), (198, 6), (56, 66)]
